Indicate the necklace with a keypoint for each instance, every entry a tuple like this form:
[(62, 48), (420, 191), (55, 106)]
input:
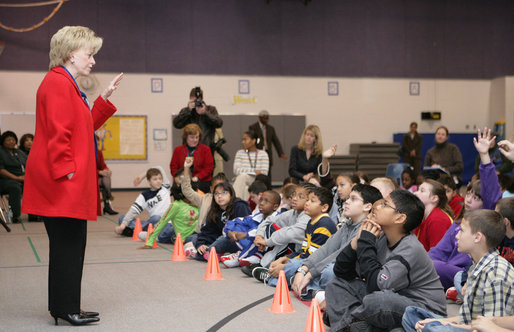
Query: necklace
[(254, 165)]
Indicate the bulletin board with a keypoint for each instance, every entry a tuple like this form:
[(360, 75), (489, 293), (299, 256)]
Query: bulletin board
[(124, 137)]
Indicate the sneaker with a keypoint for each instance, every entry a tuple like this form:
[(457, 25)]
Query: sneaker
[(249, 260), (230, 260), (189, 250), (248, 269), (261, 274), (452, 296), (320, 296), (142, 236), (127, 232)]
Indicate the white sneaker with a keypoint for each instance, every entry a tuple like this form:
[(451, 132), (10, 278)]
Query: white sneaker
[(142, 236), (249, 260), (190, 250), (320, 296), (230, 260)]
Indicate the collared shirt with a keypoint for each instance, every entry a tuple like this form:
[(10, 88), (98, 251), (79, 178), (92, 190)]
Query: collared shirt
[(489, 288)]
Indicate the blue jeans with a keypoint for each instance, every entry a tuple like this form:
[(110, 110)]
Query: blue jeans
[(144, 223), (167, 234), (320, 283), (457, 280), (224, 245), (289, 269), (413, 315)]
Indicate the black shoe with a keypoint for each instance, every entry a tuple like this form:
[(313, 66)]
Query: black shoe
[(75, 319), (108, 210), (88, 314), (33, 217), (261, 274), (325, 319), (127, 232), (248, 269), (16, 220)]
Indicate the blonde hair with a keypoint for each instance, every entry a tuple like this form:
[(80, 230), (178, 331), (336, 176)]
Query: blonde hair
[(317, 147), (69, 39)]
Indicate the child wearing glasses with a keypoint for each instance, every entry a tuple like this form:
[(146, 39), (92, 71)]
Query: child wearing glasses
[(383, 270)]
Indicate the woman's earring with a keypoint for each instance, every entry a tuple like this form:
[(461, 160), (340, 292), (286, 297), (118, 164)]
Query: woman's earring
[(72, 62)]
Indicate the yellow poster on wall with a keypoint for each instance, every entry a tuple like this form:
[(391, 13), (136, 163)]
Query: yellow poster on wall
[(123, 137)]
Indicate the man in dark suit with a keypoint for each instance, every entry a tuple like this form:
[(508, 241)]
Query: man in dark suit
[(267, 138)]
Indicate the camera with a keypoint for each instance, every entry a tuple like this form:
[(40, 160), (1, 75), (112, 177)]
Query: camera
[(218, 148), (198, 97)]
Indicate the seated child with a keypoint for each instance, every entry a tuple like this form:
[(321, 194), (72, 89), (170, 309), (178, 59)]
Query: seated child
[(344, 184), (383, 270), (156, 200), (505, 207), (283, 234), (318, 231), (181, 217), (318, 268), (242, 231), (385, 184), (285, 197), (408, 180), (225, 206), (490, 282), (438, 215), (255, 191), (455, 201)]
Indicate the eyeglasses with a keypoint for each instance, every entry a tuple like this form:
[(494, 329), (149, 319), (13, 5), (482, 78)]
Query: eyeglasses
[(383, 203), (353, 198), (220, 193), (473, 196)]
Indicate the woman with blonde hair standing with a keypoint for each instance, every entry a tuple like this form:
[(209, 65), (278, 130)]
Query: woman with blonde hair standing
[(61, 184), (307, 155)]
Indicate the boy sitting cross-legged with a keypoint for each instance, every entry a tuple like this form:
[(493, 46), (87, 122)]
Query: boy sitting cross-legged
[(318, 269), (242, 231), (490, 279), (318, 231), (383, 270)]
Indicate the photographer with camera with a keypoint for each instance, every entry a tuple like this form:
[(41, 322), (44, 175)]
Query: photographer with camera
[(207, 117)]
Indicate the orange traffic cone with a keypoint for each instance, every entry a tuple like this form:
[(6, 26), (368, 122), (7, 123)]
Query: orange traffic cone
[(178, 250), (213, 267), (315, 320), (281, 300), (149, 232), (137, 230)]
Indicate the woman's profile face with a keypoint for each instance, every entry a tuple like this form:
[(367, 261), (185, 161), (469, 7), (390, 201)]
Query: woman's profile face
[(27, 144), (193, 140), (247, 141), (441, 136), (309, 138), (83, 60)]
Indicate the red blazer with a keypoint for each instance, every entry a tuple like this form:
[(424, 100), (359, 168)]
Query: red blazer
[(203, 164), (63, 144)]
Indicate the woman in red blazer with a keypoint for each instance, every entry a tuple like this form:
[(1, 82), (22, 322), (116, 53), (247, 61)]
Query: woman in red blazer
[(60, 182), (203, 163)]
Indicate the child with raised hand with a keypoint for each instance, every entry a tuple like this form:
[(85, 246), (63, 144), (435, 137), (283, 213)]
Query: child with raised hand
[(383, 270), (318, 269), (242, 232), (225, 206), (490, 283), (438, 215), (318, 231), (156, 201), (181, 217), (282, 234)]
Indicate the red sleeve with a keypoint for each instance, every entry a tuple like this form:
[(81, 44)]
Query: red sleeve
[(204, 163), (101, 111), (177, 159)]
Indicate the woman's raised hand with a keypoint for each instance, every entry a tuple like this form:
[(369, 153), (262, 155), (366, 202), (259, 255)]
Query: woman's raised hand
[(112, 86)]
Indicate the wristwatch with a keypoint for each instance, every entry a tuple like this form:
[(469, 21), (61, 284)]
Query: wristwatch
[(302, 271)]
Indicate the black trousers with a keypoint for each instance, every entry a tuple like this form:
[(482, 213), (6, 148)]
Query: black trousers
[(67, 238)]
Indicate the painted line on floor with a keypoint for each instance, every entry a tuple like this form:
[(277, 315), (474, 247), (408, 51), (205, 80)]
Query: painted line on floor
[(23, 225), (97, 263), (34, 249), (233, 315)]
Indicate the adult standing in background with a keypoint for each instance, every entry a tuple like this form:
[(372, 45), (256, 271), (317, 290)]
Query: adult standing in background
[(306, 156), (266, 138), (207, 117), (411, 146), (445, 155), (61, 183)]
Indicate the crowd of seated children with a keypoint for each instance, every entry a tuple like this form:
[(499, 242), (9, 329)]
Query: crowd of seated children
[(181, 217), (156, 201), (438, 215), (490, 279), (383, 270), (318, 231), (242, 232), (455, 201), (409, 180), (248, 163), (317, 269), (283, 234), (225, 206)]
